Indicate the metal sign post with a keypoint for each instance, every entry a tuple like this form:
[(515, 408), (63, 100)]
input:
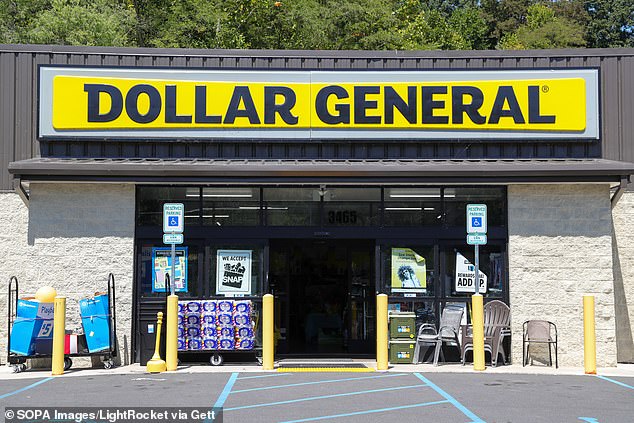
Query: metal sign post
[(173, 224), (476, 235)]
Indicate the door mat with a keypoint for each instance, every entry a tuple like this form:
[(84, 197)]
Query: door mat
[(322, 366)]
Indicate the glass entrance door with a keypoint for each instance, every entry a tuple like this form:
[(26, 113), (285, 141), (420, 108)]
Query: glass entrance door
[(325, 296)]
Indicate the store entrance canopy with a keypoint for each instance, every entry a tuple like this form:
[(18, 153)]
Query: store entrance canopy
[(183, 171)]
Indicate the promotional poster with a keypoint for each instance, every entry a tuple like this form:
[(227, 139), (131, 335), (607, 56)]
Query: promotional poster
[(233, 272), (409, 271)]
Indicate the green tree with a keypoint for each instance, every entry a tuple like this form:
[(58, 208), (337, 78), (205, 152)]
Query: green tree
[(543, 29), (431, 31), (77, 22), (611, 23), (504, 17), (469, 23)]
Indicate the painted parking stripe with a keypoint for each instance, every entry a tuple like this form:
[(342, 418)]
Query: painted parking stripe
[(33, 385), (259, 376), (270, 404), (625, 385), (315, 383), (378, 410), (452, 400), (226, 391)]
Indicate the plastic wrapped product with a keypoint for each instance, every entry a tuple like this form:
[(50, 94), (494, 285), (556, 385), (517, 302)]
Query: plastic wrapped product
[(180, 332), (242, 306), (225, 306), (195, 344), (180, 320), (241, 319), (225, 331), (226, 344), (181, 344), (181, 307), (192, 307), (209, 331), (244, 332), (225, 319), (244, 344), (210, 344), (207, 319), (192, 319), (208, 306), (193, 332)]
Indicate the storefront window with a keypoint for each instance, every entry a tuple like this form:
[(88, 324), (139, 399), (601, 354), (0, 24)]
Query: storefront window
[(408, 270), (351, 206), (412, 207), (292, 206), (235, 270), (459, 275), (456, 200), (231, 206), (150, 202)]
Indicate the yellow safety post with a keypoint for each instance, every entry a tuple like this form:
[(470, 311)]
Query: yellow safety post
[(156, 364), (381, 332), (268, 343), (59, 333), (171, 339), (477, 322), (589, 336)]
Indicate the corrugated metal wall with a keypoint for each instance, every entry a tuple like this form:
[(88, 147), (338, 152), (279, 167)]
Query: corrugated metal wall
[(18, 103)]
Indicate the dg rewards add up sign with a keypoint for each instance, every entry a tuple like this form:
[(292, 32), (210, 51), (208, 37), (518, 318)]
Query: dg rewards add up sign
[(146, 103)]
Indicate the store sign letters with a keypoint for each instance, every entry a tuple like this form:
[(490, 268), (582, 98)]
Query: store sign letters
[(186, 103)]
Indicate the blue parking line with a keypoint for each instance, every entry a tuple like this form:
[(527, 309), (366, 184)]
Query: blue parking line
[(269, 404), (357, 413), (315, 383), (625, 385), (257, 377), (225, 392), (452, 400), (33, 385)]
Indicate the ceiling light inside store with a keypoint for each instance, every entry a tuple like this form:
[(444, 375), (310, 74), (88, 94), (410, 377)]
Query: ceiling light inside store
[(403, 208)]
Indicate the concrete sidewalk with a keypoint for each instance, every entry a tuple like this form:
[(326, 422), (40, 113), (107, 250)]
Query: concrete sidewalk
[(622, 370)]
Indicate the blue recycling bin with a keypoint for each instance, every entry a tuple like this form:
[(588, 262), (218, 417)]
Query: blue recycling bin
[(96, 322), (33, 326)]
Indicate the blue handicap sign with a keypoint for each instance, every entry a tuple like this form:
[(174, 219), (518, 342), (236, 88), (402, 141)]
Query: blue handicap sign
[(476, 222), (172, 221)]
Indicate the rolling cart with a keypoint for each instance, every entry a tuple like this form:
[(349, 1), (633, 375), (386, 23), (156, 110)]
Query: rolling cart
[(18, 361)]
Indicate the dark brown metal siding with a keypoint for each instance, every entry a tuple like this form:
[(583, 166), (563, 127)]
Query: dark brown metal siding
[(18, 85)]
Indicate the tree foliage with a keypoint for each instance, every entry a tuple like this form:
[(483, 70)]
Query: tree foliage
[(321, 24)]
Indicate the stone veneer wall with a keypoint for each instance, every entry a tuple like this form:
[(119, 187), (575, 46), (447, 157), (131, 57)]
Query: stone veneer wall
[(70, 237), (560, 247), (623, 256)]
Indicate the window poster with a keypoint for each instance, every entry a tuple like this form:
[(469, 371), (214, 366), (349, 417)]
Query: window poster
[(465, 275), (162, 264), (233, 272), (409, 271)]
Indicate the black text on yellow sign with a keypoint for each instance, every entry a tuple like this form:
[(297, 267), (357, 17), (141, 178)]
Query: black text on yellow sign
[(81, 103)]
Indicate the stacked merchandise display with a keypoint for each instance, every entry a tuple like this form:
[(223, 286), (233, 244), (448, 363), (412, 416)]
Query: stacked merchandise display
[(215, 325), (402, 334)]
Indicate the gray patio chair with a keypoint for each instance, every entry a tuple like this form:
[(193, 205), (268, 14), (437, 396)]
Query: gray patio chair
[(497, 326), (448, 332), (540, 332)]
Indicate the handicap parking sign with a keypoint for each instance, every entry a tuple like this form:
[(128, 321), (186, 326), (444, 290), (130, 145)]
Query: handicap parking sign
[(173, 215), (476, 218), (476, 222)]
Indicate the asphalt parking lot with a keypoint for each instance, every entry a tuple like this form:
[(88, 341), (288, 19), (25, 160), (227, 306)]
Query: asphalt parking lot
[(345, 397)]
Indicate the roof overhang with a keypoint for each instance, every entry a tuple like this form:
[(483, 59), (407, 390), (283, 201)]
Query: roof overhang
[(182, 171)]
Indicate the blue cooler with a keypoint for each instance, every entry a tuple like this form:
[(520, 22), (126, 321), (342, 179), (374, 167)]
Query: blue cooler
[(96, 322), (33, 325)]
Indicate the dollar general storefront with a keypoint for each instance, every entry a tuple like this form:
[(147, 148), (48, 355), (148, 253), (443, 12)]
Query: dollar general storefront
[(315, 176)]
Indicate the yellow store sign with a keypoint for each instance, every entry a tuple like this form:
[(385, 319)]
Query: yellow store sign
[(181, 103)]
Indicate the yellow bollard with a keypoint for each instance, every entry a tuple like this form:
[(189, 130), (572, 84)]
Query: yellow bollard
[(268, 343), (381, 332), (59, 333), (477, 322), (171, 339), (589, 336), (156, 364)]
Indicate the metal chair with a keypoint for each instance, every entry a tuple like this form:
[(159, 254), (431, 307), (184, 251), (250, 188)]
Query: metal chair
[(539, 332), (448, 332), (497, 321)]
